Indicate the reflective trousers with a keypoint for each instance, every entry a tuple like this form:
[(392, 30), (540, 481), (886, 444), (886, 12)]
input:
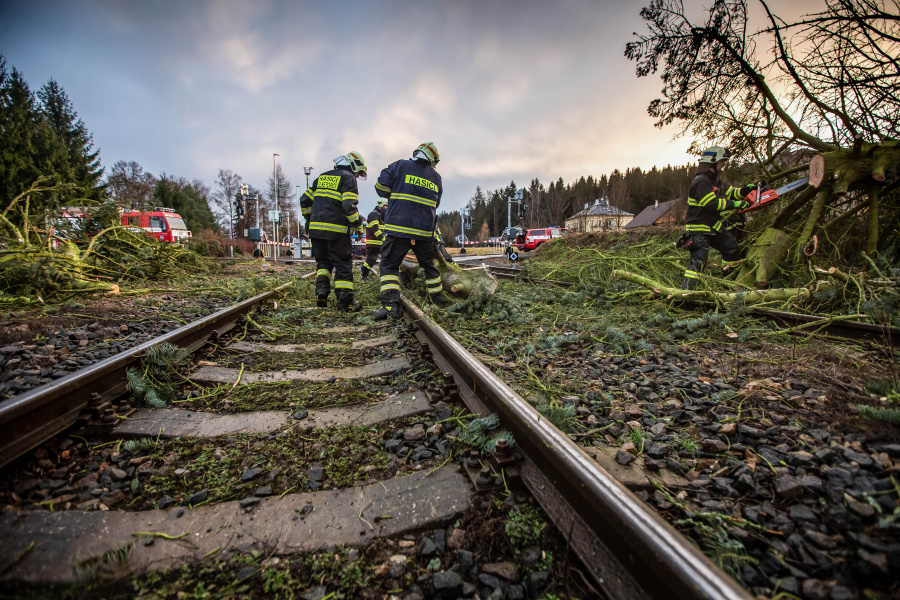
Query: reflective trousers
[(700, 243), (338, 255), (392, 253), (372, 253)]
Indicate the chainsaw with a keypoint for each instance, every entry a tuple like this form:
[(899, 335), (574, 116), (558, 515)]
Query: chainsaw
[(761, 197)]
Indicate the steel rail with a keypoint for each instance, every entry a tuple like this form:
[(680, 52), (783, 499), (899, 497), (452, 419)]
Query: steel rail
[(652, 560), (31, 418)]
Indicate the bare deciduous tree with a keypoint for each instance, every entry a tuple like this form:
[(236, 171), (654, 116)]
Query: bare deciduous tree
[(131, 186)]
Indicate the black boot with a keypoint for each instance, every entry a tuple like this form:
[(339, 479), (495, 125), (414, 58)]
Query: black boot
[(351, 306), (389, 311), (322, 300), (437, 299)]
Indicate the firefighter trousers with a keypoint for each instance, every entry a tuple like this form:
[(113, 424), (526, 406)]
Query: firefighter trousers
[(699, 245), (392, 253), (372, 253), (338, 255)]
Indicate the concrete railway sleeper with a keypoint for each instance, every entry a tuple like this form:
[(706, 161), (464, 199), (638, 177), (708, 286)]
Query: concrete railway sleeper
[(305, 445)]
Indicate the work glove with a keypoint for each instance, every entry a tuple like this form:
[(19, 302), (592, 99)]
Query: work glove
[(742, 204), (747, 189), (685, 241)]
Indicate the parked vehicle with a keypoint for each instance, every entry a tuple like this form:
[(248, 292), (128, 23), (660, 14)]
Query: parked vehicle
[(533, 238), (162, 223)]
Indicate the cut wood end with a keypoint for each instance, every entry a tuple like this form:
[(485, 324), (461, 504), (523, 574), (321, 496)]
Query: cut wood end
[(114, 290)]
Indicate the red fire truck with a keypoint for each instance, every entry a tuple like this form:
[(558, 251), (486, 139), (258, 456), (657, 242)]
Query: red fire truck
[(162, 223)]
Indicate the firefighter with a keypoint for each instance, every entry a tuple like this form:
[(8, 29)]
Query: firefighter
[(374, 237), (414, 189), (705, 225), (329, 209)]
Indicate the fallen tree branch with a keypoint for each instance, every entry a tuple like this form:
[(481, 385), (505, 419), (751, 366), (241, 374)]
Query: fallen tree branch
[(821, 323), (750, 297)]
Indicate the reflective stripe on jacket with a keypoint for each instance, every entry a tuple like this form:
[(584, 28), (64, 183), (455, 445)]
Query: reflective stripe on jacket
[(414, 191), (374, 233), (329, 205), (705, 205)]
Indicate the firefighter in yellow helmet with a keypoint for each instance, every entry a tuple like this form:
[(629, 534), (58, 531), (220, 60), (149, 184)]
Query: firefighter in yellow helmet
[(329, 208), (374, 236)]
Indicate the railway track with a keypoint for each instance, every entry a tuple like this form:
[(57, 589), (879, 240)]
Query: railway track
[(627, 549), (335, 395)]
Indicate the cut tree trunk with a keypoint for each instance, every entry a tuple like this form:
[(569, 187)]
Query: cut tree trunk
[(764, 257), (457, 281)]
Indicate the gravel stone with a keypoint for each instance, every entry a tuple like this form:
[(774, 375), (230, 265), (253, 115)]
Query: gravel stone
[(250, 474), (623, 457), (397, 566), (863, 460), (788, 487), (446, 580), (506, 569), (249, 502), (197, 497), (428, 547)]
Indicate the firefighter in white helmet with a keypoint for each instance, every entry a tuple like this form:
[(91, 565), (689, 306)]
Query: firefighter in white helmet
[(707, 199), (329, 208)]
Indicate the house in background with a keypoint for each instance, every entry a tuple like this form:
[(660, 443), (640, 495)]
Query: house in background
[(657, 214), (599, 216)]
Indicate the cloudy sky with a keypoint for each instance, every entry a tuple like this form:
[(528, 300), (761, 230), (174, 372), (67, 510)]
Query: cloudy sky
[(507, 89)]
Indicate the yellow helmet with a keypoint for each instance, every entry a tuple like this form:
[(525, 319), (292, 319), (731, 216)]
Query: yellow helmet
[(356, 162), (429, 152)]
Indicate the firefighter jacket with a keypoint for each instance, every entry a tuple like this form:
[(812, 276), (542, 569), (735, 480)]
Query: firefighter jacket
[(414, 191), (374, 224), (705, 204), (329, 205)]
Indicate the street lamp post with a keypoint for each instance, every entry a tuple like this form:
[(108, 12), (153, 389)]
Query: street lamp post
[(514, 199), (308, 171), (274, 222), (299, 211)]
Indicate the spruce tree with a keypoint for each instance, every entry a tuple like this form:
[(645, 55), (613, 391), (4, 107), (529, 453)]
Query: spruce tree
[(29, 150), (82, 162)]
